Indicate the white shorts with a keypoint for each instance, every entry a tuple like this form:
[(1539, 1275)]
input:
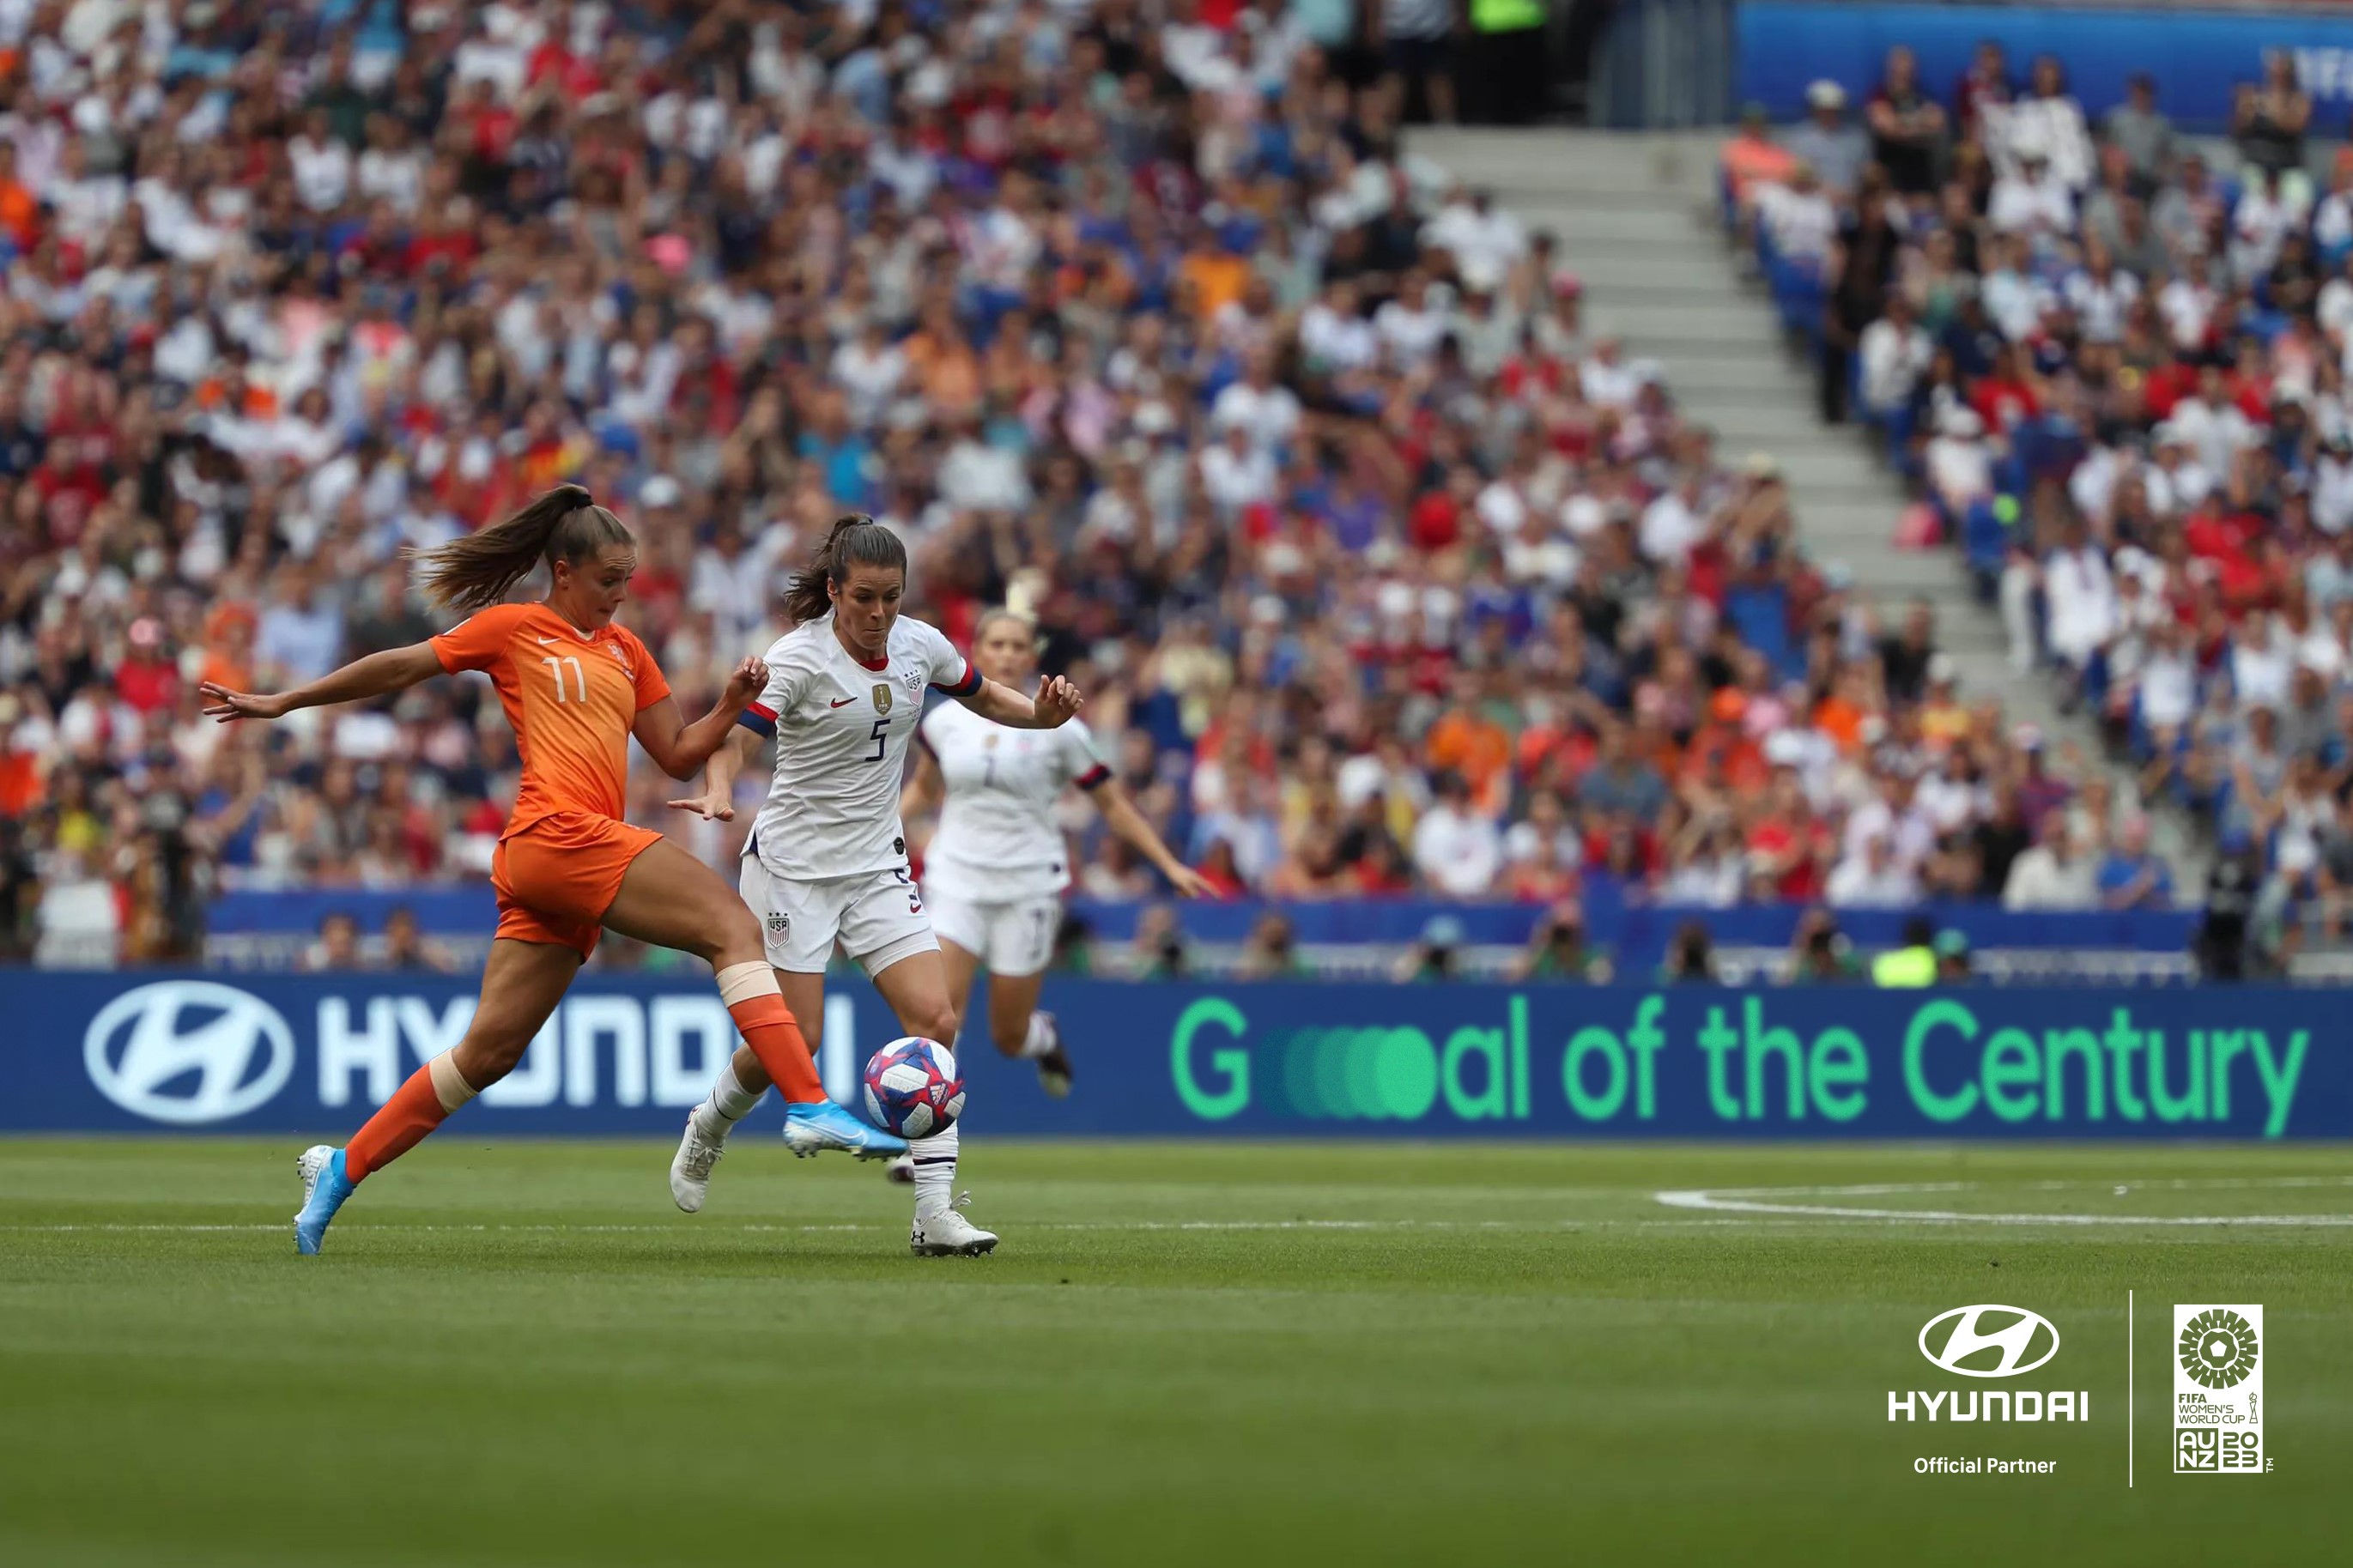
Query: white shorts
[(876, 916), (1015, 938)]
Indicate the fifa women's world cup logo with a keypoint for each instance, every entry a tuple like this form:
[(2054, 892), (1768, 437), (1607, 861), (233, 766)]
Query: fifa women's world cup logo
[(2218, 1348), (2218, 1390)]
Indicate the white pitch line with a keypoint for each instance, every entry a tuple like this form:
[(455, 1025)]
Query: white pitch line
[(1746, 1200), (690, 1229)]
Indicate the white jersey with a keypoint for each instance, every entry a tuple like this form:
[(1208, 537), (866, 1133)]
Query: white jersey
[(841, 728), (997, 840)]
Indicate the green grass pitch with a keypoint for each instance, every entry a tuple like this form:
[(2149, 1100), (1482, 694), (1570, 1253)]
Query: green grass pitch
[(519, 1353)]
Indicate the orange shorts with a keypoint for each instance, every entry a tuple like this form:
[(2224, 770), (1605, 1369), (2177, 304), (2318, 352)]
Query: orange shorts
[(556, 878)]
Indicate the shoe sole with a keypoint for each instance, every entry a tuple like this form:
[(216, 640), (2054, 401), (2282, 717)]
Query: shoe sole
[(702, 1196), (970, 1250), (801, 1153), (310, 1179), (1054, 1074)]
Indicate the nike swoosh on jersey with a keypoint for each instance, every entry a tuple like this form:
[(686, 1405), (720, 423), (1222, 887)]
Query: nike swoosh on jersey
[(544, 641), (841, 703)]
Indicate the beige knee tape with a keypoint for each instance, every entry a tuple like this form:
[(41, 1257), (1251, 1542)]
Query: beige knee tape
[(449, 1084), (742, 981)]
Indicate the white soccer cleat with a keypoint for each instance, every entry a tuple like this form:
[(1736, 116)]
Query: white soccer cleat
[(901, 1170), (1054, 1071), (690, 1168), (948, 1234)]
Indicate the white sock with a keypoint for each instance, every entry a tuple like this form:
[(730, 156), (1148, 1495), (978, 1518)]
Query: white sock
[(935, 1163), (730, 1102), (1042, 1038)]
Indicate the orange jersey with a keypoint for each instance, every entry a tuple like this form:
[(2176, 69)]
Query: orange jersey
[(572, 697)]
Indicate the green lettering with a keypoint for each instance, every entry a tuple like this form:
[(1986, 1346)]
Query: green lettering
[(1299, 1085), (1716, 1038), (1233, 1062), (1520, 1058), (1782, 1043), (1405, 1073), (2223, 1046), (1360, 1070), (2124, 1043), (1646, 1039), (1937, 1107), (2009, 1063), (2191, 1105), (2058, 1045), (1584, 1043), (2279, 1081), (1488, 1104), (1333, 1092), (1835, 1068)]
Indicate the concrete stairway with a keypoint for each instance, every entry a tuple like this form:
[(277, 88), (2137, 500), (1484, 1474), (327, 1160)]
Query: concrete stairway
[(1634, 215)]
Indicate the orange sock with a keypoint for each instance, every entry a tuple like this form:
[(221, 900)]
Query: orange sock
[(402, 1123), (769, 1029), (416, 1109)]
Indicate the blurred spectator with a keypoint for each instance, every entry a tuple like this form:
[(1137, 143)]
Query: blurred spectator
[(1953, 965), (1872, 879), (1455, 848), (2222, 941), (1691, 957), (2132, 878), (1819, 954), (2268, 119), (1557, 949), (2053, 874), (1415, 41), (1385, 571), (405, 946), (1912, 965), (1073, 946), (2141, 133), (1907, 126), (2131, 420), (337, 951), (1270, 954), (1159, 950), (1437, 956), (1833, 150)]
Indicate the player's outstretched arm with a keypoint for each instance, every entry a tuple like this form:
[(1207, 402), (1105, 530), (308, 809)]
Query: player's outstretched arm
[(925, 787), (1056, 703), (1120, 816), (718, 797), (680, 749), (393, 669)]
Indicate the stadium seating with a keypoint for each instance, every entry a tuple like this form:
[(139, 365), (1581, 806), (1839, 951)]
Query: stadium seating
[(2124, 404), (1386, 573)]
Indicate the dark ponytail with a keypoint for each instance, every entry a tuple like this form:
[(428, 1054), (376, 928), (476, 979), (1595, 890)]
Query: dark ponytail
[(476, 572), (856, 541)]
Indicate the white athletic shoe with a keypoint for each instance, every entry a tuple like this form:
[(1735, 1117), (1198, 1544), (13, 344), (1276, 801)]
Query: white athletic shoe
[(690, 1168), (948, 1234), (901, 1170), (1054, 1071)]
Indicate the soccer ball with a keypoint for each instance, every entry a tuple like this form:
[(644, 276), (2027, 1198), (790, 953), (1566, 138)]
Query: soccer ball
[(912, 1088)]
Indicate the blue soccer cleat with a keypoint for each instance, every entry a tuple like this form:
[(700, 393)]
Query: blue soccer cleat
[(815, 1126), (324, 1188)]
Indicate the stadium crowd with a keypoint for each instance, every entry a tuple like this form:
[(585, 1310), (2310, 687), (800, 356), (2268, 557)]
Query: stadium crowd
[(1385, 573), (2112, 359)]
